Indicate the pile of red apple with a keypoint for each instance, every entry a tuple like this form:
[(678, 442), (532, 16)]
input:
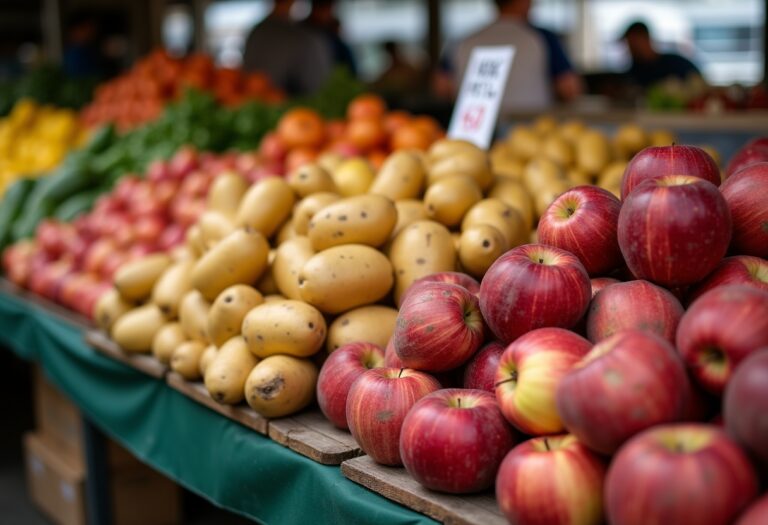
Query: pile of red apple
[(617, 371), (73, 263)]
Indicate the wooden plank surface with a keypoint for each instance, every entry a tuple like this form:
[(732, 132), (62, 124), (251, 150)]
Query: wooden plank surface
[(46, 305), (312, 435), (142, 362), (243, 414), (396, 484)]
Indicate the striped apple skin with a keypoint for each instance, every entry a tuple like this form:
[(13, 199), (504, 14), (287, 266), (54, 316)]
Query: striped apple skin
[(674, 230), (376, 407), (625, 384), (528, 375), (679, 473), (745, 193), (451, 448), (533, 286), (740, 269), (551, 480)]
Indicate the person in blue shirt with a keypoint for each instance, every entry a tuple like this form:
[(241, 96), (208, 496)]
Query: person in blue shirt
[(649, 66)]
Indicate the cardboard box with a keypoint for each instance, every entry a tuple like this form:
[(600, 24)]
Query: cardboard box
[(142, 496), (58, 420), (55, 483)]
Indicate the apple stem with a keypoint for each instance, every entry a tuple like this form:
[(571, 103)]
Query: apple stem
[(458, 401), (401, 373), (541, 261), (546, 444)]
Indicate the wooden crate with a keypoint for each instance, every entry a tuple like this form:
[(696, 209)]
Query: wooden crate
[(396, 484), (143, 362), (312, 435), (243, 414)]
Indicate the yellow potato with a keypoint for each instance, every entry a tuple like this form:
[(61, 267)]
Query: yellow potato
[(508, 168), (266, 283), (572, 130), (612, 174), (214, 226), (307, 207), (402, 176), (353, 177), (422, 248), (445, 148), (228, 311), (227, 371), (577, 177), (171, 287), (593, 152), (558, 150), (629, 139), (166, 340), (109, 308), (480, 246), (544, 125), (286, 232), (194, 241), (182, 253), (274, 297), (310, 179), (661, 137), (226, 192), (364, 219), (136, 329), (284, 327), (524, 143), (205, 359), (193, 316), (449, 198), (344, 277), (503, 217), (371, 324), (185, 360), (281, 385), (514, 194), (539, 172), (134, 280), (240, 258), (330, 160), (266, 205), (474, 163), (290, 257), (548, 194), (408, 211)]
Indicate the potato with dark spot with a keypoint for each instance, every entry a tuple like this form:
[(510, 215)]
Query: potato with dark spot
[(266, 205), (499, 215), (401, 176), (345, 277), (309, 179), (513, 193), (225, 318), (408, 211), (479, 248), (281, 385), (227, 372), (289, 260), (109, 308), (422, 248), (307, 207), (363, 219), (448, 199), (371, 324), (284, 327)]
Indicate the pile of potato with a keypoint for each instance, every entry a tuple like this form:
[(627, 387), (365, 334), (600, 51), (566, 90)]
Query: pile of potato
[(550, 157)]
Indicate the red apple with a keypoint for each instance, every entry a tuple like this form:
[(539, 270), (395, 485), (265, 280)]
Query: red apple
[(658, 161), (598, 284), (674, 230), (679, 473), (377, 404), (551, 480), (480, 372), (745, 407), (745, 194), (462, 279), (627, 383), (740, 269), (439, 327), (533, 286), (753, 152), (390, 356), (636, 305), (339, 371), (528, 375), (583, 221), (756, 514), (719, 330), (183, 162), (453, 440)]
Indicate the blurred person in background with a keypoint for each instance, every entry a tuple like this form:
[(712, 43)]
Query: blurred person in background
[(82, 55), (323, 19), (648, 66), (401, 76), (541, 71), (296, 57)]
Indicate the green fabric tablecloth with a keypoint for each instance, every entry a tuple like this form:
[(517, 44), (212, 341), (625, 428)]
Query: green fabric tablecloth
[(209, 454)]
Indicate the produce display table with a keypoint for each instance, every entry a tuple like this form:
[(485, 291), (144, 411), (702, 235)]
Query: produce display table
[(209, 454)]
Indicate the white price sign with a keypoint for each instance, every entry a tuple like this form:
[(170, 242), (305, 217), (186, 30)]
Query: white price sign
[(477, 106)]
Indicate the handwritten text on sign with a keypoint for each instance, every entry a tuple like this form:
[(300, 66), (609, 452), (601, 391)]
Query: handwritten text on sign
[(477, 106)]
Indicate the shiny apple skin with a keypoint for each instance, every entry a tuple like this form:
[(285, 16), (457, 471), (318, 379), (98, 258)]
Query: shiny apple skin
[(745, 194)]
